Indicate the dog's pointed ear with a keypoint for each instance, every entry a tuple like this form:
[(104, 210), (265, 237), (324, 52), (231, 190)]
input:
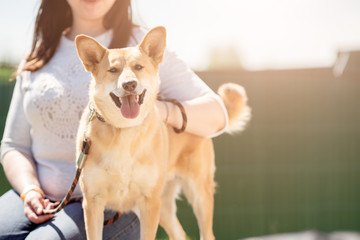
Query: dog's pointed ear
[(154, 43), (90, 51)]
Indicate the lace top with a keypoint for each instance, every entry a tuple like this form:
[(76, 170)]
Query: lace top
[(47, 105)]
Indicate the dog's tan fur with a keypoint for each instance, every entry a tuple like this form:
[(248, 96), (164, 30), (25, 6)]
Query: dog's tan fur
[(140, 162)]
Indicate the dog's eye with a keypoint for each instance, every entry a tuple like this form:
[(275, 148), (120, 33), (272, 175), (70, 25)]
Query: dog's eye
[(138, 67), (113, 70)]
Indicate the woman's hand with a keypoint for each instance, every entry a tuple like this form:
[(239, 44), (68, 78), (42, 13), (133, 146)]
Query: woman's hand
[(34, 204), (26, 175)]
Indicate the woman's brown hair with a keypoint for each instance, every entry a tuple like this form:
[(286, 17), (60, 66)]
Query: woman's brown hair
[(54, 17)]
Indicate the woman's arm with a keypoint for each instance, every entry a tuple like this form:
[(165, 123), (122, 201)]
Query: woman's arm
[(20, 170), (16, 159), (205, 115)]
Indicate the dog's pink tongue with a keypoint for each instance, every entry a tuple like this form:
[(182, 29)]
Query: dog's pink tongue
[(129, 107)]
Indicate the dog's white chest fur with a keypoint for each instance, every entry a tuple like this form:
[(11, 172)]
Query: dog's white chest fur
[(120, 179)]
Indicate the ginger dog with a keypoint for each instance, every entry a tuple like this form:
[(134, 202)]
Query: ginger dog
[(135, 160)]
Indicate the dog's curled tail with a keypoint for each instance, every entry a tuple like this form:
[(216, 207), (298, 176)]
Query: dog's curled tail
[(235, 100)]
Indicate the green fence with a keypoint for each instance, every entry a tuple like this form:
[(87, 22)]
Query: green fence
[(297, 165)]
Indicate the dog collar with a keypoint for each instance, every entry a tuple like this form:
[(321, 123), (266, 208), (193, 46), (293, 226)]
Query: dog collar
[(93, 111), (98, 116)]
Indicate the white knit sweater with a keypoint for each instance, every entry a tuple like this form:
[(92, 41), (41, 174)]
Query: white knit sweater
[(47, 105)]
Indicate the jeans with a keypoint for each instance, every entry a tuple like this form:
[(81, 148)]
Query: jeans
[(67, 224)]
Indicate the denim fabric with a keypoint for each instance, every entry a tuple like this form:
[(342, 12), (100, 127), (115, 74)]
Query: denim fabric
[(67, 224)]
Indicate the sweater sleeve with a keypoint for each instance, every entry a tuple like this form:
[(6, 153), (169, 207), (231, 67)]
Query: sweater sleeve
[(17, 129), (180, 82)]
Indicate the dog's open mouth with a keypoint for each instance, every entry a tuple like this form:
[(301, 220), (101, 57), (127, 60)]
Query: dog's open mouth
[(129, 104)]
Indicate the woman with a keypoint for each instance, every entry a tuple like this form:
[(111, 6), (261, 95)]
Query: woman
[(38, 150)]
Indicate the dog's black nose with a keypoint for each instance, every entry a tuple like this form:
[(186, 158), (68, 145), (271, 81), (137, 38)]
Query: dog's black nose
[(129, 85)]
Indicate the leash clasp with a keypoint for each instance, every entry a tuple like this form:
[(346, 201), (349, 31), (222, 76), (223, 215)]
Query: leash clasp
[(92, 112), (83, 153)]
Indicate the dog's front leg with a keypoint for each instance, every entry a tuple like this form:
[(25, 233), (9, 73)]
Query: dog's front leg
[(94, 217), (149, 217)]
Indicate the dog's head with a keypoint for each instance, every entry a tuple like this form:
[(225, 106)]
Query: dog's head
[(125, 81)]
